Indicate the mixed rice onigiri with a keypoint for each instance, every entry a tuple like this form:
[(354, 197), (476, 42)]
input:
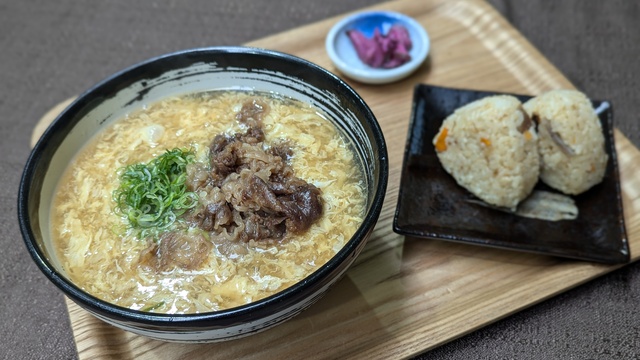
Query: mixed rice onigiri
[(571, 141), (489, 147), (497, 148)]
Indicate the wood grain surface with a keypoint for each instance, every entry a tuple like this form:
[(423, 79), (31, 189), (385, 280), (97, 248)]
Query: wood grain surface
[(405, 295)]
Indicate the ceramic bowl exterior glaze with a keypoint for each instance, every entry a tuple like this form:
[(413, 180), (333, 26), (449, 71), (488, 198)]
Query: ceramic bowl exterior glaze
[(239, 68)]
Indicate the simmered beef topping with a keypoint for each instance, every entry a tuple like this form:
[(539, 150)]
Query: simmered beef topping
[(252, 114), (250, 192), (177, 249)]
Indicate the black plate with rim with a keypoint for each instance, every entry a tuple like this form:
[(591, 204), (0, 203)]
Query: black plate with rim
[(432, 205)]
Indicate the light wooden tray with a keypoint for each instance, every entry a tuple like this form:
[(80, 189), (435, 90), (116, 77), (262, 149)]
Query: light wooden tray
[(406, 295)]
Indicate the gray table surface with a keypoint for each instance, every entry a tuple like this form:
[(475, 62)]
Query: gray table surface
[(51, 50)]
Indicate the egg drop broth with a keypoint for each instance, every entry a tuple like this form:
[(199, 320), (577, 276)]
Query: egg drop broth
[(104, 256)]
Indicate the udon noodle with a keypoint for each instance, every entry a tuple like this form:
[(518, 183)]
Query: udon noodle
[(103, 255)]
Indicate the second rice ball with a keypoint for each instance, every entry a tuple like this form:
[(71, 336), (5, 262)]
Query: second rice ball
[(571, 144), (489, 147)]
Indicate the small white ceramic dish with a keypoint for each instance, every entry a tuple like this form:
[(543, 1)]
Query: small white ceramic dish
[(344, 56)]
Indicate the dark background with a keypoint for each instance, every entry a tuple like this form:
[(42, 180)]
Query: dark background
[(52, 50)]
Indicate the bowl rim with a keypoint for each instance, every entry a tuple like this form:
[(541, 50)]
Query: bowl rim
[(214, 319)]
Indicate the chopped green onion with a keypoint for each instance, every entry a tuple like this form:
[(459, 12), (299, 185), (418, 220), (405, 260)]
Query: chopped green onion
[(152, 196), (153, 307)]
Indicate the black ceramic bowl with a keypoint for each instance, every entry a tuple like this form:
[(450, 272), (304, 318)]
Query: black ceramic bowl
[(184, 72)]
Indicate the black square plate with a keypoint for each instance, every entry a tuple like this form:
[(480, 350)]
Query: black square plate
[(432, 205)]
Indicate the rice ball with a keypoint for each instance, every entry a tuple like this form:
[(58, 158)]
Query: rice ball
[(489, 147), (571, 141)]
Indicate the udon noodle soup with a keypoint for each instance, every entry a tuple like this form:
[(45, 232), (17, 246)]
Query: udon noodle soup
[(206, 201)]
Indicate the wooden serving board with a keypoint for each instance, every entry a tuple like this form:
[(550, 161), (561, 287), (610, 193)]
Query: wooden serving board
[(405, 295)]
